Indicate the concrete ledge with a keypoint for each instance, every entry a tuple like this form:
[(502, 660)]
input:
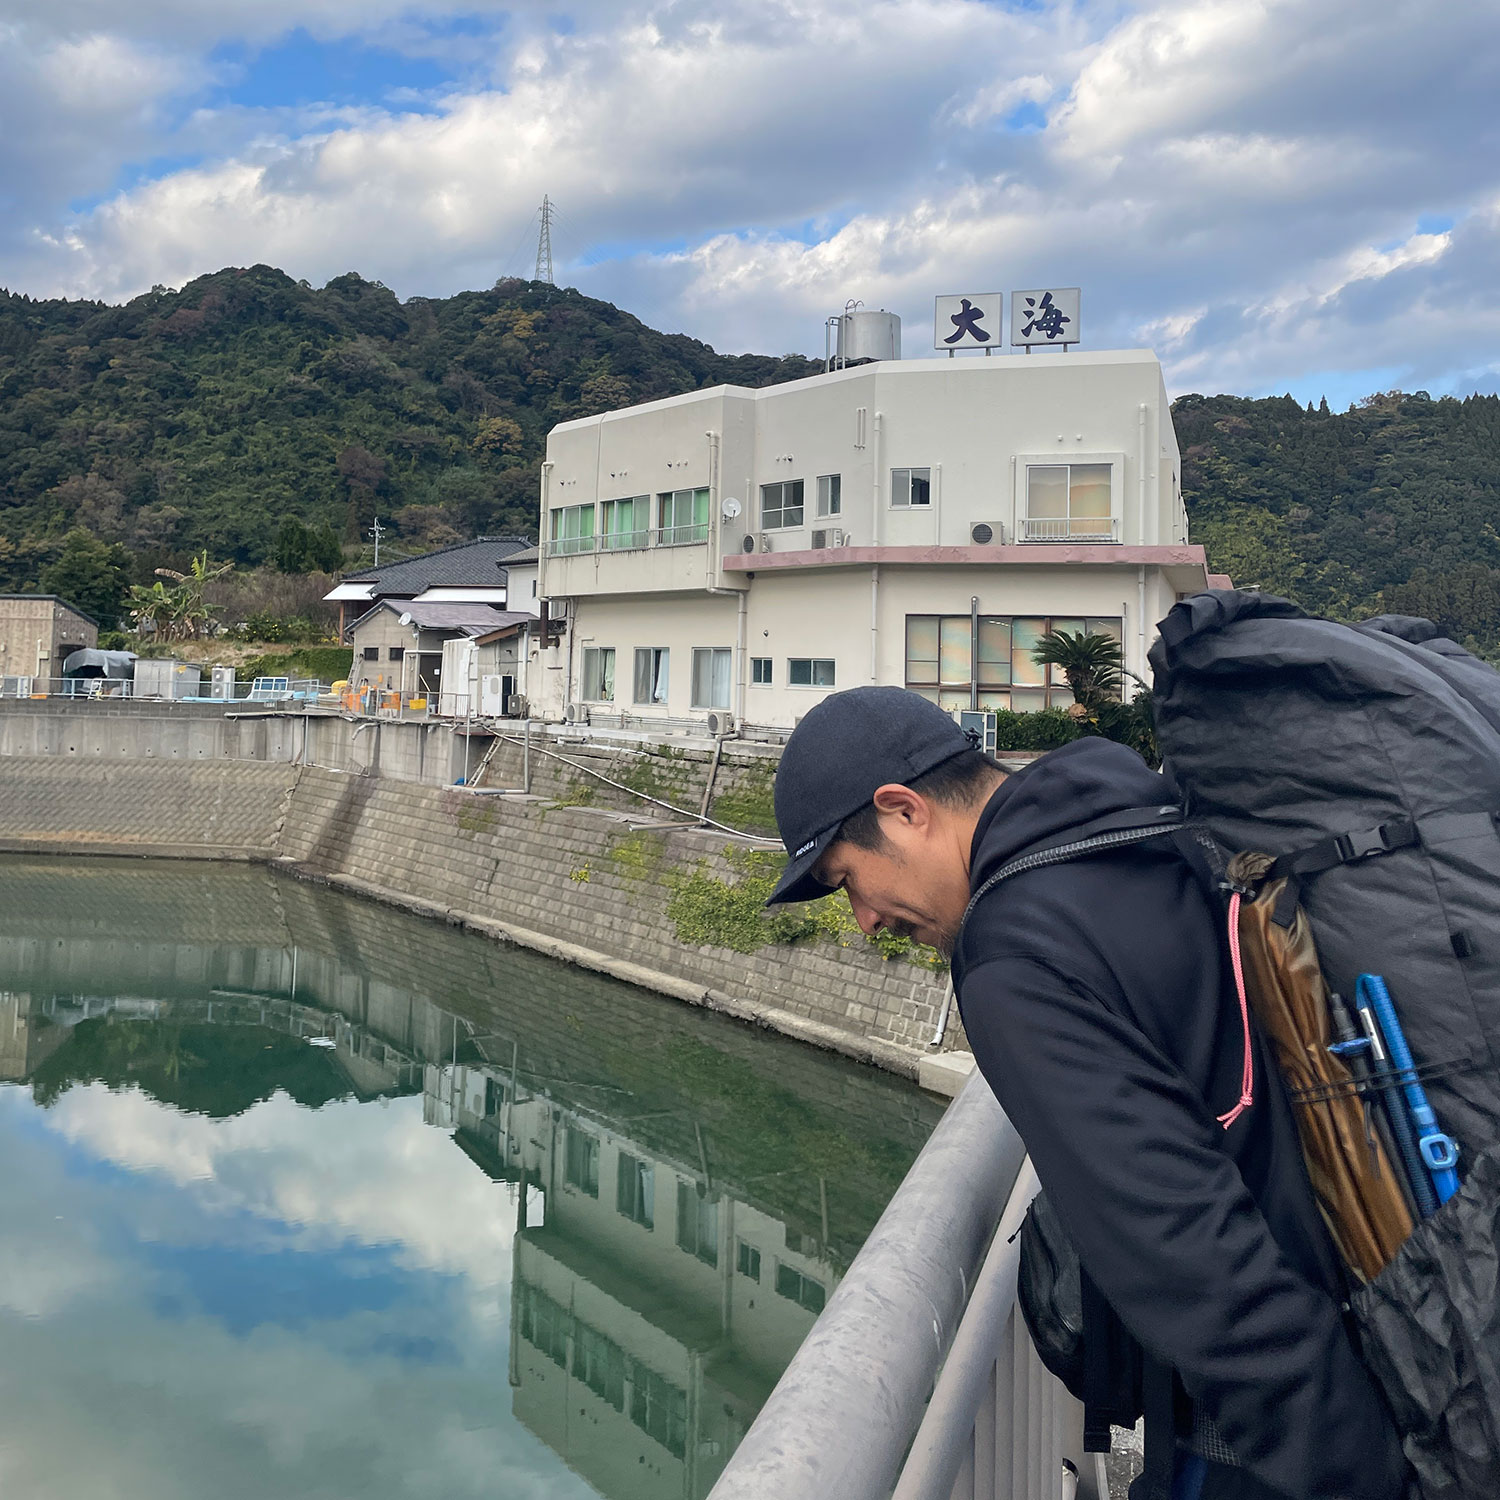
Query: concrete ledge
[(134, 848), (945, 1073)]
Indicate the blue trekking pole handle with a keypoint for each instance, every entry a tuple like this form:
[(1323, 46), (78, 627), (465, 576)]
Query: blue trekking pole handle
[(1439, 1151)]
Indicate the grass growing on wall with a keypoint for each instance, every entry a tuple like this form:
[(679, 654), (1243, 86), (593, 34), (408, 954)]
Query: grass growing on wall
[(748, 806), (709, 912), (326, 663)]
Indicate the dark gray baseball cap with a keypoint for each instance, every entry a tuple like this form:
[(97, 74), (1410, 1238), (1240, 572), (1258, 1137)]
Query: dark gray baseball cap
[(838, 757)]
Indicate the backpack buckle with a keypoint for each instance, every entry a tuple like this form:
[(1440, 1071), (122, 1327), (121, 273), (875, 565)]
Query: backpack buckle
[(1361, 845)]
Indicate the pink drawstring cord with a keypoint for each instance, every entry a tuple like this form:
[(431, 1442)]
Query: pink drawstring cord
[(1247, 1077)]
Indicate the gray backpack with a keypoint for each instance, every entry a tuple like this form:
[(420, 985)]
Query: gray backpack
[(1367, 759)]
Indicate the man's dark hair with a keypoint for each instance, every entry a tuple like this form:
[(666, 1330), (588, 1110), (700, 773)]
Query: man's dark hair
[(958, 782)]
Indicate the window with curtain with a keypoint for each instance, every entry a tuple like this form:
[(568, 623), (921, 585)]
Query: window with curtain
[(1068, 502), (781, 504), (599, 674), (911, 487), (635, 1190), (572, 530), (625, 523), (651, 674), (942, 662), (581, 1162), (711, 673), (682, 516), (697, 1223)]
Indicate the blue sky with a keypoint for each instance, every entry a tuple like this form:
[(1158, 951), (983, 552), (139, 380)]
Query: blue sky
[(1274, 196)]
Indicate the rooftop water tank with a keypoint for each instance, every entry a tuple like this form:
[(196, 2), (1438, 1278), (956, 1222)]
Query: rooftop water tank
[(864, 334)]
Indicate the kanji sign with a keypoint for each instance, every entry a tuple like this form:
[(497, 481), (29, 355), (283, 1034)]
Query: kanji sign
[(1048, 316), (974, 321)]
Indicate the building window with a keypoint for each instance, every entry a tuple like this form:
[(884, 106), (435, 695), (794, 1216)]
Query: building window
[(599, 674), (697, 1223), (396, 653), (911, 487), (1068, 502), (572, 530), (760, 671), (545, 1325), (711, 677), (581, 1162), (809, 671), (747, 1262), (942, 662), (372, 653), (781, 504), (682, 516), (658, 1408), (599, 1363), (803, 1290), (625, 523), (830, 497), (650, 674), (635, 1190)]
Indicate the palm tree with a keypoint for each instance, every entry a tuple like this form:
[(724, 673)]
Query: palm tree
[(190, 611), (1093, 665)]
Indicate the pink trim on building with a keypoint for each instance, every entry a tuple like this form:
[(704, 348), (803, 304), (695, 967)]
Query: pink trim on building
[(1032, 554)]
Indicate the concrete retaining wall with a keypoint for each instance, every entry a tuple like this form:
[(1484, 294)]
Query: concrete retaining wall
[(583, 883)]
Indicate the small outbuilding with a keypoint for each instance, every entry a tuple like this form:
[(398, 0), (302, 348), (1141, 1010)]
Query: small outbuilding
[(398, 645), (37, 631)]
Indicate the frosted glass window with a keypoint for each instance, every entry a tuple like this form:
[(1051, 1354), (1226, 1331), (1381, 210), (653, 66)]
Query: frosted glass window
[(1047, 490), (921, 648), (954, 638), (830, 494), (1025, 636), (911, 487), (1088, 490), (994, 651)]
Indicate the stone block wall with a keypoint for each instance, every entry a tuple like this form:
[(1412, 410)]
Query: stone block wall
[(585, 883)]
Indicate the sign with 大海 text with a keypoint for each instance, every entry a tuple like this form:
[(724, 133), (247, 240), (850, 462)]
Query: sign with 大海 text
[(1048, 316), (971, 321)]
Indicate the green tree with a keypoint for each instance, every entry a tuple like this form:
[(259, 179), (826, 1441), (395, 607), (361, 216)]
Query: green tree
[(91, 575), (293, 546), (1092, 664)]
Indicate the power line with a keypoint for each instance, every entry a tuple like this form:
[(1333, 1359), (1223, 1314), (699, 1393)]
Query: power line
[(544, 245)]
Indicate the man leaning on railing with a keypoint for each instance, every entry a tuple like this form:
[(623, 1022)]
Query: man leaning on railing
[(1091, 993)]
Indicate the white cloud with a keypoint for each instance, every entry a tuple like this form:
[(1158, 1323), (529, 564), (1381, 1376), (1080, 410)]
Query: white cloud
[(1212, 172)]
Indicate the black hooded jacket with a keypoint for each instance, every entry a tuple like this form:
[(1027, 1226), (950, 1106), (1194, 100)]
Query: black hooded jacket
[(1092, 993)]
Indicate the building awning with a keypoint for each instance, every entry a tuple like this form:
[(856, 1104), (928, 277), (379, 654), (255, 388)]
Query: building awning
[(460, 595), (342, 591)]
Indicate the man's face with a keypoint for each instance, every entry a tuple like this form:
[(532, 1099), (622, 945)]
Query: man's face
[(915, 886)]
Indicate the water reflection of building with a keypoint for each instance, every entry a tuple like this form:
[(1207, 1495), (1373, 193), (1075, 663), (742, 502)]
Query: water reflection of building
[(653, 1307)]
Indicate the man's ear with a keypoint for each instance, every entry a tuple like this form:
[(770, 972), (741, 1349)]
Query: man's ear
[(905, 806)]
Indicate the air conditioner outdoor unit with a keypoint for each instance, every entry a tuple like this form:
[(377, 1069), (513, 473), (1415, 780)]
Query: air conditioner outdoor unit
[(575, 713), (985, 532), (720, 724), (516, 706), (832, 536)]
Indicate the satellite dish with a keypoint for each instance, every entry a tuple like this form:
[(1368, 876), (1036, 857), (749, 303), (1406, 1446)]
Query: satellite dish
[(730, 508)]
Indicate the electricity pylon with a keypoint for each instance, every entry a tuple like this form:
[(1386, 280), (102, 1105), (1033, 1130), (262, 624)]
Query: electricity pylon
[(544, 245)]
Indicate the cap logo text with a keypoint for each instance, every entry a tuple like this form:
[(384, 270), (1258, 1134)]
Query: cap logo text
[(803, 850)]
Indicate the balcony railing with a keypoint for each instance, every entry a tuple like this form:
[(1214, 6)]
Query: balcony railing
[(570, 546), (624, 541), (682, 536), (1069, 529)]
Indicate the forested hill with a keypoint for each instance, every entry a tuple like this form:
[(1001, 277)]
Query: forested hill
[(207, 417), (1394, 504), (203, 417)]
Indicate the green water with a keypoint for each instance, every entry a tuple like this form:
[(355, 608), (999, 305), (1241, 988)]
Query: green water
[(305, 1197)]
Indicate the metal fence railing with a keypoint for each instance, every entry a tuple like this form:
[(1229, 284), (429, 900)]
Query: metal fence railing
[(919, 1382), (294, 691)]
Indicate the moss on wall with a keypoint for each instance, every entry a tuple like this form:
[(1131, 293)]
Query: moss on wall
[(710, 912), (748, 805), (636, 857)]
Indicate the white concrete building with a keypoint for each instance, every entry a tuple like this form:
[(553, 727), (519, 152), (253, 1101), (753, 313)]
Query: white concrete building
[(921, 523)]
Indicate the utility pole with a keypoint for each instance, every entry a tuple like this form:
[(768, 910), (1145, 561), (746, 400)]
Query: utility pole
[(377, 531), (544, 245)]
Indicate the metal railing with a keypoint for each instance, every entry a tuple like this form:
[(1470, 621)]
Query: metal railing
[(919, 1382), (285, 690), (1069, 529)]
